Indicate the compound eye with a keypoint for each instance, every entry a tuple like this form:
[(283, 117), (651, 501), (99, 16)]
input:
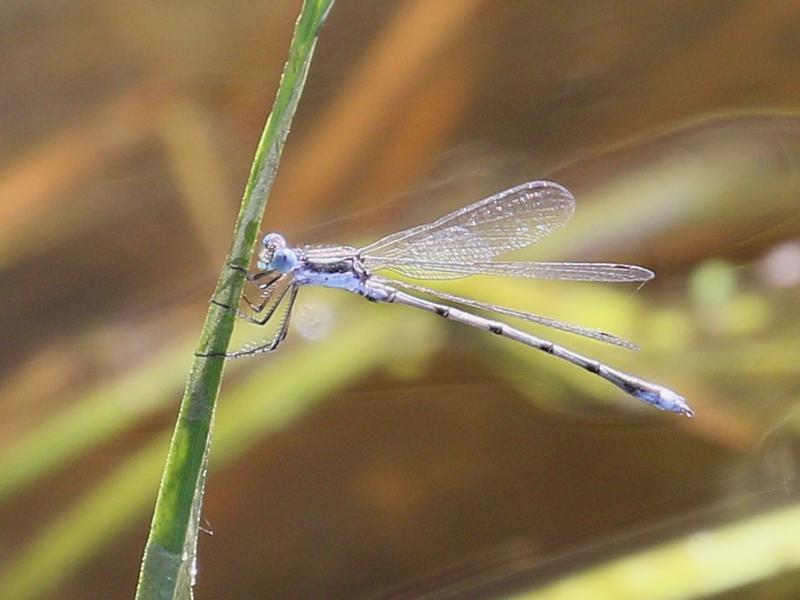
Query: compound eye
[(273, 240), (270, 244), (284, 260)]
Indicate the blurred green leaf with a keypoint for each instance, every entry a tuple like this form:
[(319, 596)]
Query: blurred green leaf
[(262, 402), (713, 561)]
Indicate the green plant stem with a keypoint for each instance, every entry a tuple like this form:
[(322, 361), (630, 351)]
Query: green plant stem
[(169, 554)]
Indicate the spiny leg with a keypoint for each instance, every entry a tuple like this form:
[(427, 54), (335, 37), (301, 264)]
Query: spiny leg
[(252, 277), (266, 291), (239, 269), (271, 310), (263, 288), (280, 335), (257, 308)]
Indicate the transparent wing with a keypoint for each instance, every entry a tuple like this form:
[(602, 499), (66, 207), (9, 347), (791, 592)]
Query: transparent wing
[(565, 271), (507, 221), (587, 332)]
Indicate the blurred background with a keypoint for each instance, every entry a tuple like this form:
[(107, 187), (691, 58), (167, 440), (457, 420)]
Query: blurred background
[(384, 453)]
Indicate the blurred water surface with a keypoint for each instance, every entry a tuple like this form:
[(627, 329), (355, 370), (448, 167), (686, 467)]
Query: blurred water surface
[(384, 453)]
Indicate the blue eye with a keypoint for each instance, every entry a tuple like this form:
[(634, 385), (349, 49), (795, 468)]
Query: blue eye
[(284, 260)]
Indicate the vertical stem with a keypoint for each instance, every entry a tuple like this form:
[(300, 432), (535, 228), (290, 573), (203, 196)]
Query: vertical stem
[(168, 564)]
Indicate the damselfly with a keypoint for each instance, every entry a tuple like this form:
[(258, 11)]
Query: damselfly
[(462, 243)]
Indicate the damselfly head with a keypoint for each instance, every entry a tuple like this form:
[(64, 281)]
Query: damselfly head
[(275, 255)]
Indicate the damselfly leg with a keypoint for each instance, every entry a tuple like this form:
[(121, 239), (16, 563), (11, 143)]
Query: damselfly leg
[(271, 297), (283, 326), (267, 291)]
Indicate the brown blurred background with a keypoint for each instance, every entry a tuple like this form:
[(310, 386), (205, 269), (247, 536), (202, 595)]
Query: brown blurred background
[(383, 453)]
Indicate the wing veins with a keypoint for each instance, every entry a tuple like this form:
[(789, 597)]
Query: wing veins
[(506, 221), (563, 271)]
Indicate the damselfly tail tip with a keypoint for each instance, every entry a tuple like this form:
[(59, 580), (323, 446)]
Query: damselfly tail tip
[(664, 398), (676, 403), (681, 408)]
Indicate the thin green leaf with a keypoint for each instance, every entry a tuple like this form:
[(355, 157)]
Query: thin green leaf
[(721, 559), (171, 547)]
